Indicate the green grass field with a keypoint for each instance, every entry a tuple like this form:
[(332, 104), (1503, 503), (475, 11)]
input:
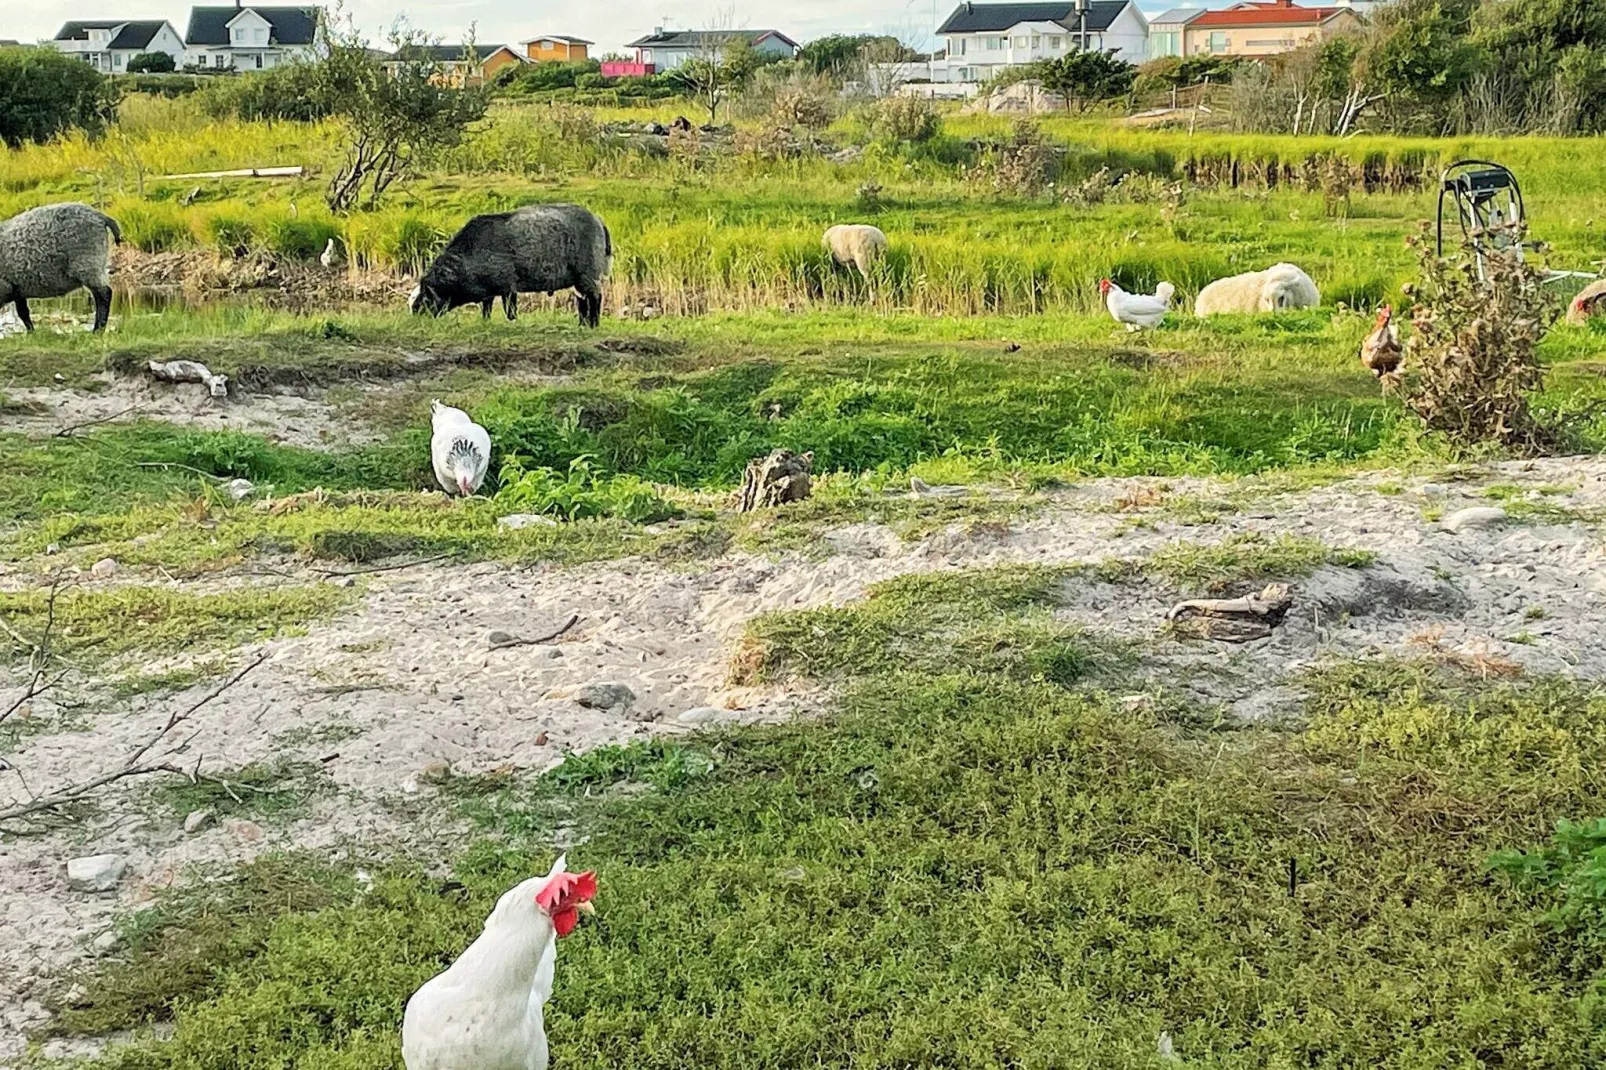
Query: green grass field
[(977, 856)]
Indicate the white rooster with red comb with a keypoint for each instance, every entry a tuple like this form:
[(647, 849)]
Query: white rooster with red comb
[(484, 1011)]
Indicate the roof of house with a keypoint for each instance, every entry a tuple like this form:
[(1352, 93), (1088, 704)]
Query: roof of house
[(704, 38), (136, 34), (558, 37), (1278, 14), (291, 25), (450, 53), (995, 18), (1177, 16)]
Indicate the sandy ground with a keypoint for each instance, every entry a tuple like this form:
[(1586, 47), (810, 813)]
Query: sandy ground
[(407, 679)]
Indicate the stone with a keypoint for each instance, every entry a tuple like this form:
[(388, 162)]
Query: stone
[(1476, 518), (604, 696), (245, 831), (701, 715), (1431, 490), (343, 581), (436, 772), (96, 873), (520, 521), (196, 821), (500, 638), (104, 569), (240, 489), (106, 941)]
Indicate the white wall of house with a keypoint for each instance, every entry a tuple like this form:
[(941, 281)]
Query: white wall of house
[(978, 57), (251, 47), (667, 58), (98, 53)]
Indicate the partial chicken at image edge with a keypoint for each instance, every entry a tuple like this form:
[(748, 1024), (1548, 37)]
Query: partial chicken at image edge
[(484, 1012)]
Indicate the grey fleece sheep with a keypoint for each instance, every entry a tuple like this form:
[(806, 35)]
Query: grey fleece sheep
[(541, 248), (53, 250)]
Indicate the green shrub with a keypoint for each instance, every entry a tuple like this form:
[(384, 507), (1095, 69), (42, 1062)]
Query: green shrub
[(296, 237), (152, 226), (45, 93), (229, 234), (411, 242), (582, 493)]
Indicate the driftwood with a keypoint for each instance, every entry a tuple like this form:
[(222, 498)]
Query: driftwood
[(781, 477), (502, 640), (1232, 620), (190, 371), (244, 172)]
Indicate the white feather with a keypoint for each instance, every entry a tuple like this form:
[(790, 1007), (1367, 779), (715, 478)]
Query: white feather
[(458, 447)]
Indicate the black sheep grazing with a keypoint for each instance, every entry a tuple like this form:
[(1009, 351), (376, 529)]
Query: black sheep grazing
[(541, 248), (53, 250)]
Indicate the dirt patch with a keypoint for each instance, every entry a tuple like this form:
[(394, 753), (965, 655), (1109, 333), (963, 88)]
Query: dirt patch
[(409, 677), (272, 281)]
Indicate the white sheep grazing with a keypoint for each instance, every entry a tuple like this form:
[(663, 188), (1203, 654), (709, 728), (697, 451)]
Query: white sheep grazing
[(858, 244), (1278, 287)]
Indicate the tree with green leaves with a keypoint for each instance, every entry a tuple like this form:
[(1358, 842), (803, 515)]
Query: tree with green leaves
[(840, 53), (398, 112), (45, 93), (724, 64), (1082, 79)]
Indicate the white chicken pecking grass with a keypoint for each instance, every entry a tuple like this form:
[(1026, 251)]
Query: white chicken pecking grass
[(460, 450), (1137, 311), (485, 1011)]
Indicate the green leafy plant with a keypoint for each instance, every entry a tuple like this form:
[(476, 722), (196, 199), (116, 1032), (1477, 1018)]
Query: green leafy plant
[(583, 492)]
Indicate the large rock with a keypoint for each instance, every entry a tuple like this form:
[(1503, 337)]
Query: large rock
[(96, 873), (1477, 518), (604, 696)]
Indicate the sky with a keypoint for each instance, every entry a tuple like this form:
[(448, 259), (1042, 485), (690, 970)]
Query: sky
[(610, 23)]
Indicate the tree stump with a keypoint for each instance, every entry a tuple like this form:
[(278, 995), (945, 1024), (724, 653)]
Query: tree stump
[(781, 477)]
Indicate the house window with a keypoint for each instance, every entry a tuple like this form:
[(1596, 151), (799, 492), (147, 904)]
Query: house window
[(994, 44), (1037, 41), (217, 60), (1020, 42), (1218, 42), (1163, 44), (117, 59), (1056, 42)]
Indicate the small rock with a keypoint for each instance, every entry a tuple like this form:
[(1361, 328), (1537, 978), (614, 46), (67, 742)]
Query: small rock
[(1477, 518), (519, 521), (500, 638), (53, 548), (436, 772), (604, 696), (245, 831), (105, 942), (96, 873), (547, 652), (794, 874), (1431, 490), (196, 821), (700, 715), (343, 581), (649, 313), (104, 569), (240, 489)]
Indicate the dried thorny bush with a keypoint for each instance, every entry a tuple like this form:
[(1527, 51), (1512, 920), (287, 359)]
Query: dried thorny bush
[(1473, 347), (1337, 178), (905, 119), (799, 106), (1025, 163), (867, 198), (1091, 190), (769, 143), (685, 144), (575, 124)]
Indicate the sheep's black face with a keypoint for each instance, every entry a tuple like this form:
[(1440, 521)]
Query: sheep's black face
[(425, 298)]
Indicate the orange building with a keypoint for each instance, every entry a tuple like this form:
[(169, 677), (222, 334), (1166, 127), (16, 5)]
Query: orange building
[(454, 61), (556, 47)]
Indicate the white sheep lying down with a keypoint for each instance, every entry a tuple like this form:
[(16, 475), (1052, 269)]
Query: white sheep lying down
[(858, 244), (1278, 287)]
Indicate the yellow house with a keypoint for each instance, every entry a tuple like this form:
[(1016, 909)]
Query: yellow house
[(1264, 28), (453, 60), (556, 47)]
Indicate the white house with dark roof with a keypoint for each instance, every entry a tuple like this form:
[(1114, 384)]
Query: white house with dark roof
[(246, 38), (984, 40), (664, 50), (108, 45)]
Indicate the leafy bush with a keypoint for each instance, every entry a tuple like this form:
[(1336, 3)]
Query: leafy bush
[(150, 63), (228, 234), (45, 93), (293, 93), (297, 237), (411, 243), (1571, 873), (529, 78), (584, 492)]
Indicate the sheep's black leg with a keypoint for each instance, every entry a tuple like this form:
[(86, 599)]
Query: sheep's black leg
[(22, 313), (590, 307), (103, 305), (510, 305), (485, 307)]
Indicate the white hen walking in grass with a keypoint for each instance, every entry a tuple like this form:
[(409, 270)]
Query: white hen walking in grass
[(460, 450), (484, 1012), (1137, 311)]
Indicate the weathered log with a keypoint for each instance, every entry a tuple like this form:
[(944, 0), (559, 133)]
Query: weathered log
[(781, 477), (1232, 620)]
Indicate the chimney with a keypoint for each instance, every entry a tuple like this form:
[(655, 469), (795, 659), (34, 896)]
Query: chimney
[(657, 31)]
